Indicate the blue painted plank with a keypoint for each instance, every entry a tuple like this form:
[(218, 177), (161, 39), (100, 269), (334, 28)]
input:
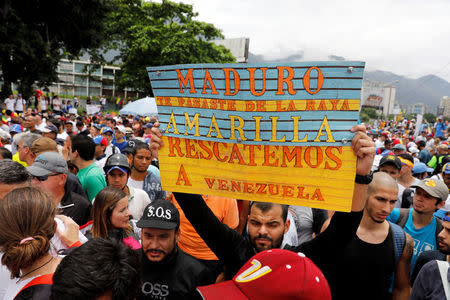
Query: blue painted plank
[(338, 83)]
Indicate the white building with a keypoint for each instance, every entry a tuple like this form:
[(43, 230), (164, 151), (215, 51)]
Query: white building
[(417, 108), (444, 106), (378, 95)]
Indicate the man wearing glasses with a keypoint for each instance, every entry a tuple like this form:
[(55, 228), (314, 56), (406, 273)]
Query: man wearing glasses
[(49, 172)]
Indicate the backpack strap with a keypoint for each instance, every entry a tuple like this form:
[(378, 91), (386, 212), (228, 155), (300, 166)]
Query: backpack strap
[(399, 240), (439, 227), (399, 237), (443, 270), (404, 214)]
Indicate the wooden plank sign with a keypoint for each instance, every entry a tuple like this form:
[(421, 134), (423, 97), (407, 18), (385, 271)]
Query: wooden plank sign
[(264, 132)]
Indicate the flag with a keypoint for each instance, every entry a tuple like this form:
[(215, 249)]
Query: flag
[(119, 101)]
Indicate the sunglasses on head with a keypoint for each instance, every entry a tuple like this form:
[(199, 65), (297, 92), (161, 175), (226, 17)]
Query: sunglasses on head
[(45, 177)]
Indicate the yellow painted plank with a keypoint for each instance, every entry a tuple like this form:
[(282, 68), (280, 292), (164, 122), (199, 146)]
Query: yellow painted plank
[(321, 177)]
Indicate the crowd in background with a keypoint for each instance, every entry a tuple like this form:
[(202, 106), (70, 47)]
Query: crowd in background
[(83, 215)]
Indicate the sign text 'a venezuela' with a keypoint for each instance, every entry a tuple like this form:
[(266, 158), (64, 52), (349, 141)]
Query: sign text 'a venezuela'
[(263, 132)]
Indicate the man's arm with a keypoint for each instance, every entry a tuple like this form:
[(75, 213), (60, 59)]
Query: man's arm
[(402, 289), (227, 244), (364, 149)]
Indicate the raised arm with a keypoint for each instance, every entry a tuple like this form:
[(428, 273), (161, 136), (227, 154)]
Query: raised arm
[(364, 149)]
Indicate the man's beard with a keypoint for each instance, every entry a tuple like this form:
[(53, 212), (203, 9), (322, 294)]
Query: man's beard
[(274, 244), (167, 255), (446, 249)]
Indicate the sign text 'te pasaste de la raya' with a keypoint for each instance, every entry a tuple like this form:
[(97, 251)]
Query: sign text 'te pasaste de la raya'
[(263, 132)]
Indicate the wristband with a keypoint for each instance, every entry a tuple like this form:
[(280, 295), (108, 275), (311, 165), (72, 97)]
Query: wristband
[(76, 244), (364, 179)]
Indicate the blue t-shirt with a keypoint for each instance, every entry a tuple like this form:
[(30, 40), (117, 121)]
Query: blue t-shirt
[(424, 238), (440, 126), (121, 146)]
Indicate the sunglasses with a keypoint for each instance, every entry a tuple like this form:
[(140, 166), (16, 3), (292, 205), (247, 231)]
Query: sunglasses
[(45, 177)]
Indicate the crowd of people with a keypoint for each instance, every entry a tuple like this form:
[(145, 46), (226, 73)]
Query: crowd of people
[(83, 215)]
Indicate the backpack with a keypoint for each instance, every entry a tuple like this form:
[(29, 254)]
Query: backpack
[(407, 198), (399, 237)]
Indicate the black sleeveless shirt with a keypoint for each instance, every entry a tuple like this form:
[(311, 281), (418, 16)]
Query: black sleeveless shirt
[(366, 270)]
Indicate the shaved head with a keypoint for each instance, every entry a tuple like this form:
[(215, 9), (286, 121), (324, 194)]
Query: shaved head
[(381, 179)]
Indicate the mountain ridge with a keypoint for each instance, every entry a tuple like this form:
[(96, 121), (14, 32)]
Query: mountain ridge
[(428, 89)]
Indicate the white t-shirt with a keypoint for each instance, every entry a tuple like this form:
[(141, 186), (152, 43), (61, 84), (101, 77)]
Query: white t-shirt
[(20, 104), (42, 125), (13, 287), (10, 103), (109, 150), (137, 201), (290, 237), (43, 104), (56, 105), (135, 184), (62, 135), (379, 144), (101, 163)]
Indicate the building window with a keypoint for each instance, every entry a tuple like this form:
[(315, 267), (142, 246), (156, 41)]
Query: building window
[(80, 91), (65, 67), (80, 80), (79, 68)]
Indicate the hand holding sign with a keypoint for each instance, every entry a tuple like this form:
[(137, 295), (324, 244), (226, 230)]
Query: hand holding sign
[(364, 149)]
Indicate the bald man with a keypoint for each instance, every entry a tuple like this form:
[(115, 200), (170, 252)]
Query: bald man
[(371, 258)]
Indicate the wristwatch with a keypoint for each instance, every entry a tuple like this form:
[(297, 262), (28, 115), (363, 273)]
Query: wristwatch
[(364, 179)]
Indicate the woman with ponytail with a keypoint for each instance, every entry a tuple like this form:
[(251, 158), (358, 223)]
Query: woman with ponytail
[(27, 225)]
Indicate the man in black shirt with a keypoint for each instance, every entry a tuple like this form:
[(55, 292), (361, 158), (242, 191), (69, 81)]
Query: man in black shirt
[(167, 272), (378, 250), (234, 250), (429, 281)]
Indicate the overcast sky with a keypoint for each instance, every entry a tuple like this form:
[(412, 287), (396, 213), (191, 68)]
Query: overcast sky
[(407, 37)]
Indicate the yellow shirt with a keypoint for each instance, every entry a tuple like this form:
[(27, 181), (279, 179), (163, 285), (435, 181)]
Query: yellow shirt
[(16, 158)]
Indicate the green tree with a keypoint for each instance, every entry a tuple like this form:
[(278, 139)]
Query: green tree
[(369, 112), (364, 117), (35, 35), (429, 117), (154, 34), (409, 117)]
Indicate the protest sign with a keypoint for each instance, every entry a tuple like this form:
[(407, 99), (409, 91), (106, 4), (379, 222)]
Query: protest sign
[(92, 109), (263, 132)]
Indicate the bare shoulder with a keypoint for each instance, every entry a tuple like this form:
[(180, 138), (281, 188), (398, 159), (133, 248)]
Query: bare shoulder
[(409, 246)]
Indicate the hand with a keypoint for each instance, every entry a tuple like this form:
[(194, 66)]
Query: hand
[(70, 233), (156, 141), (364, 149)]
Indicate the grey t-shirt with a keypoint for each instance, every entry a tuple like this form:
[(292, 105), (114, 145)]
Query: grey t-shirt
[(308, 221)]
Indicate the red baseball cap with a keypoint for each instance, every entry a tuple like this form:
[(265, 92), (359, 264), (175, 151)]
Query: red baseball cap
[(273, 274), (395, 142)]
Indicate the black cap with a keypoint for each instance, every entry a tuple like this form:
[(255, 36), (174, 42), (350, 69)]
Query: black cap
[(160, 214), (392, 160)]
